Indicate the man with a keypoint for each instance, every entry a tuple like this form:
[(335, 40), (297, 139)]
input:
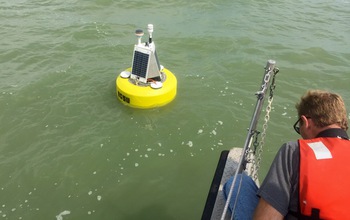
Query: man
[(310, 177)]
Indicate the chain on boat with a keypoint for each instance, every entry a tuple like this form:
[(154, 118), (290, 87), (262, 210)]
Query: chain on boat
[(252, 155)]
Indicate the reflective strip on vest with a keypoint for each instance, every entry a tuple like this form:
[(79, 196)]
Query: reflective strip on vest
[(320, 150)]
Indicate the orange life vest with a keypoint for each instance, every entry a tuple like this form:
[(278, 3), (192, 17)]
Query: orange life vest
[(324, 181)]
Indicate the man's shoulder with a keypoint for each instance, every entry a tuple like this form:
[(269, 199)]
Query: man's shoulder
[(289, 147)]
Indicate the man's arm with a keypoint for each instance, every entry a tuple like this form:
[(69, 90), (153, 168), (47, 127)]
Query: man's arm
[(264, 211)]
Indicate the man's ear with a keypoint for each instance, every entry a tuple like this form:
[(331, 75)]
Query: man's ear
[(305, 121)]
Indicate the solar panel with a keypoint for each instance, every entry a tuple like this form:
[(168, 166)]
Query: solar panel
[(140, 64)]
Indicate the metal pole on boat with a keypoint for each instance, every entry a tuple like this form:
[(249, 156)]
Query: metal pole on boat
[(270, 66), (269, 69)]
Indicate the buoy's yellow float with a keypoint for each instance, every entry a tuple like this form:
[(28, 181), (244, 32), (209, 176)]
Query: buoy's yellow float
[(146, 84)]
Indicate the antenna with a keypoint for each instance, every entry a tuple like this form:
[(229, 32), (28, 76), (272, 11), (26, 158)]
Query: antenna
[(139, 33), (150, 31)]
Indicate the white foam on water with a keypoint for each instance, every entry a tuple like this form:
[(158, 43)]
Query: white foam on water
[(190, 143), (60, 216)]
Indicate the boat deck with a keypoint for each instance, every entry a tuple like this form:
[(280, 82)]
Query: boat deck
[(226, 168)]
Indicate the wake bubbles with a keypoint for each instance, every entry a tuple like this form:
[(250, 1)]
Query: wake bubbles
[(60, 216)]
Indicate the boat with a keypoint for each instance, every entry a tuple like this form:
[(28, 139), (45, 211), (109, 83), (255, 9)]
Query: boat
[(246, 159), (146, 84)]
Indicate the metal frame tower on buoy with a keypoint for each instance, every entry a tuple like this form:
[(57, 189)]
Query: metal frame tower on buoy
[(146, 84)]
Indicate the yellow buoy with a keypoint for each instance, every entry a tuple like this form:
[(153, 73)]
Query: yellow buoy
[(146, 84), (144, 96)]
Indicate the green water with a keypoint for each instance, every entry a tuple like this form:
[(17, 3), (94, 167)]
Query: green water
[(67, 143)]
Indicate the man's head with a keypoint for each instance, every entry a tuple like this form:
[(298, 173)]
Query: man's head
[(323, 110)]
